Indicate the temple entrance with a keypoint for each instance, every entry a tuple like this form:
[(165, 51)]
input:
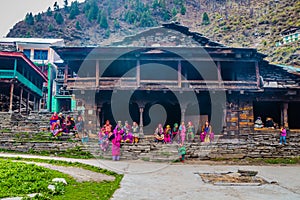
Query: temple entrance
[(293, 115), (265, 109), (165, 107)]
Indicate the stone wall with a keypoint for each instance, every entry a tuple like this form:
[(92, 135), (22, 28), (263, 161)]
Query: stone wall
[(256, 144), (253, 145)]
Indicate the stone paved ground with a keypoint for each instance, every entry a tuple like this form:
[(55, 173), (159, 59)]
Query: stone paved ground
[(148, 180)]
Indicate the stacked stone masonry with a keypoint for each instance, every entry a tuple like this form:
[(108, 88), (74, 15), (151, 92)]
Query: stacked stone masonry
[(256, 144)]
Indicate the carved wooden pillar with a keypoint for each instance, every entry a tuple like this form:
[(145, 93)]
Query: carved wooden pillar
[(141, 109), (97, 73), (138, 72), (66, 74), (257, 73), (179, 73), (34, 103), (183, 114), (27, 102), (219, 73), (285, 115), (11, 96)]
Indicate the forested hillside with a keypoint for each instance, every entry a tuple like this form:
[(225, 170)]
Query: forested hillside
[(238, 23)]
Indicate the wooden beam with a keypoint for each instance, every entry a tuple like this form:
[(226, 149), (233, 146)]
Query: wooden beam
[(27, 102), (179, 73), (11, 97), (97, 72), (138, 72), (219, 73), (66, 74), (285, 115), (21, 97), (257, 73)]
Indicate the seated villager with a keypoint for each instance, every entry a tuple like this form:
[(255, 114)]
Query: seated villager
[(103, 140), (135, 132), (258, 123), (53, 118), (190, 132), (79, 123), (107, 127), (270, 123), (207, 135), (70, 124), (167, 134), (127, 136), (159, 134), (56, 129)]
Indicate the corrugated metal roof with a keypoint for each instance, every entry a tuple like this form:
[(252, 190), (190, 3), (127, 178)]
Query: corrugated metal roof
[(31, 40)]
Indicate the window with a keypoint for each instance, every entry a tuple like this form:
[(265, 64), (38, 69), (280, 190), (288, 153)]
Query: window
[(27, 52), (40, 54)]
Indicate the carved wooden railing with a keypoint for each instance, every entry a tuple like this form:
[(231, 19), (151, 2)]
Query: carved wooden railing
[(132, 83)]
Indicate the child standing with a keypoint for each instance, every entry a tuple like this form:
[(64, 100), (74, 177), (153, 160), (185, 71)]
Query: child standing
[(282, 135), (181, 152)]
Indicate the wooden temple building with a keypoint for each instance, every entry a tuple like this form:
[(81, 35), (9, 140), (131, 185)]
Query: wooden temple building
[(169, 66)]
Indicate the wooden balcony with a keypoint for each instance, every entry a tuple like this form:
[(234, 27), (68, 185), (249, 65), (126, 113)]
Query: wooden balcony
[(127, 83)]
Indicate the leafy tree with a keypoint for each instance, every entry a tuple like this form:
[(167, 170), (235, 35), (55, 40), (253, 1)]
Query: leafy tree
[(93, 11), (49, 12), (55, 6), (86, 8), (107, 33), (59, 18), (66, 8), (174, 12), (50, 28), (166, 15), (155, 4), (146, 20), (116, 24), (205, 19), (38, 17), (162, 3), (74, 10), (99, 16), (182, 9), (103, 20), (78, 27), (29, 19)]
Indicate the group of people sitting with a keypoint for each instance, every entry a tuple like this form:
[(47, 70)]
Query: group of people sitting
[(129, 133), (181, 133), (269, 123), (60, 124)]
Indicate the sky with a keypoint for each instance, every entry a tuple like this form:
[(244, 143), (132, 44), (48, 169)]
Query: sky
[(13, 11)]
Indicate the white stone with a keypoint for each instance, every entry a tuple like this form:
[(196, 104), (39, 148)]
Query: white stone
[(51, 187), (60, 180)]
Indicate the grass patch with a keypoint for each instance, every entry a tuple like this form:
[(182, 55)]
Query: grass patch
[(75, 152), (19, 179), (85, 190), (259, 161), (295, 160), (5, 130)]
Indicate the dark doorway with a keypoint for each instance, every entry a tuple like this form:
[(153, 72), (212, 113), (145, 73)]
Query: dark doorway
[(293, 115), (266, 109)]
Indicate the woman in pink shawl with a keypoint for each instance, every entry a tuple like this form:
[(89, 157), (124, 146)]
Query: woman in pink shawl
[(182, 131), (116, 138)]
